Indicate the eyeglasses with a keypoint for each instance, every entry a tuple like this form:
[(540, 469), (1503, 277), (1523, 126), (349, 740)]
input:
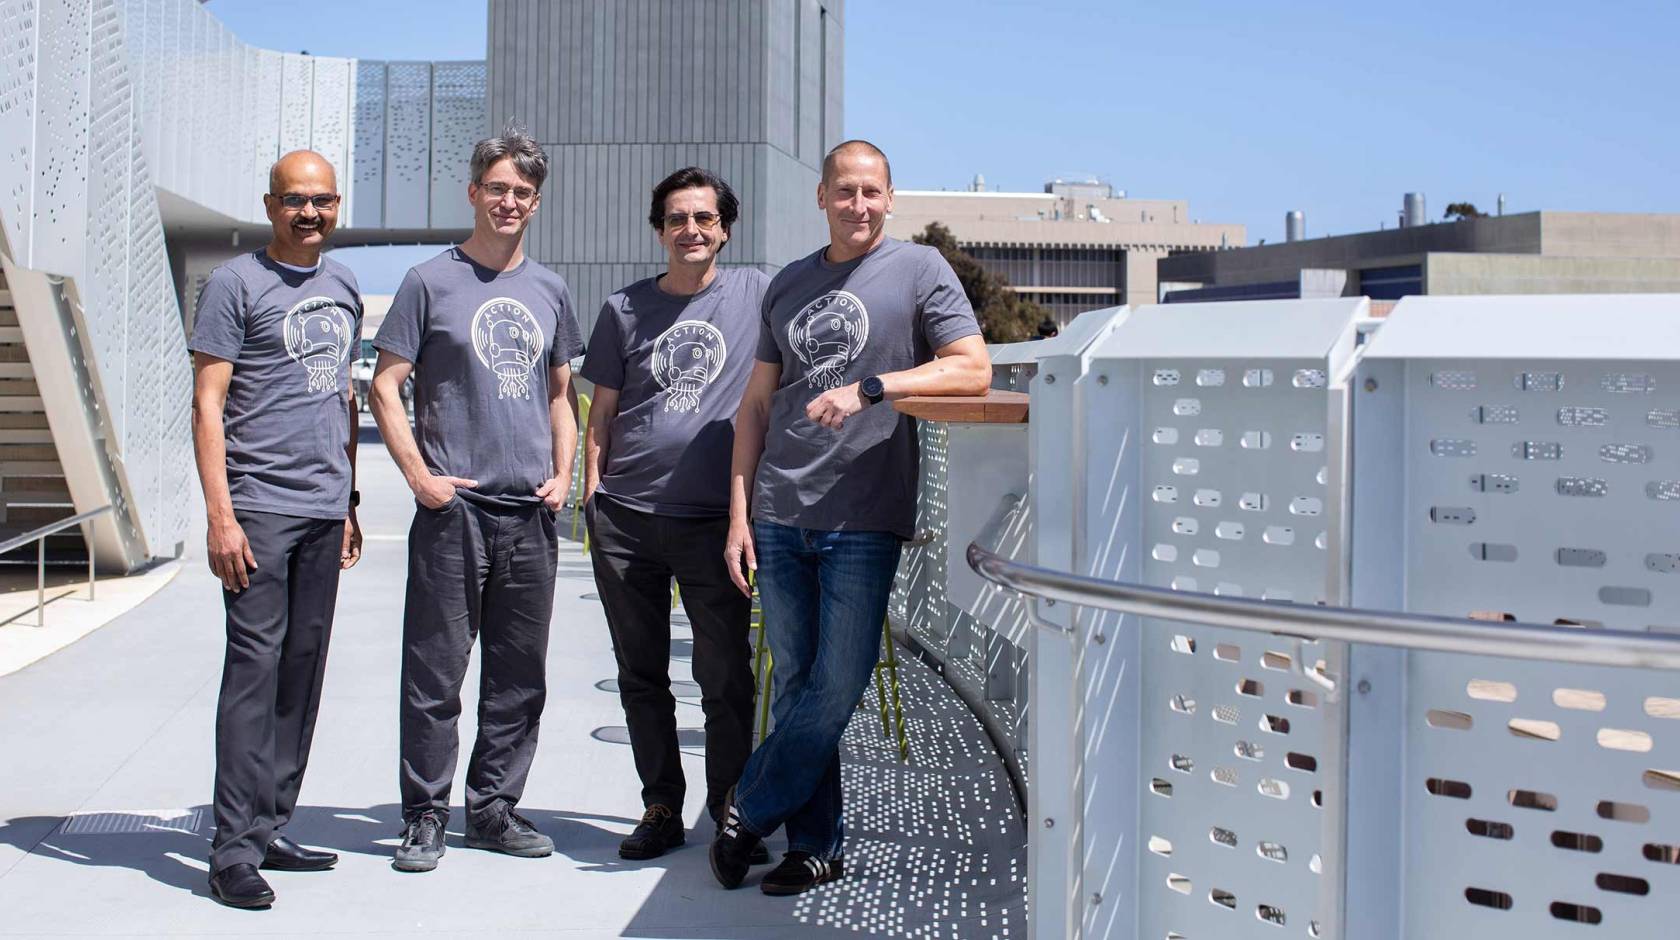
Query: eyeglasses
[(499, 190), (704, 221), (321, 201)]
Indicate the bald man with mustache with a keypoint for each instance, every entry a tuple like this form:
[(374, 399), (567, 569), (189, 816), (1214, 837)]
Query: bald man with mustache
[(274, 431)]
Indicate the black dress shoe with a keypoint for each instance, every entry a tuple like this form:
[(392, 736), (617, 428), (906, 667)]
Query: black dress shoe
[(241, 886), (286, 855), (659, 832)]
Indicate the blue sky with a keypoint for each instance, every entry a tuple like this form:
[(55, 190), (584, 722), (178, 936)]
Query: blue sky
[(1246, 110)]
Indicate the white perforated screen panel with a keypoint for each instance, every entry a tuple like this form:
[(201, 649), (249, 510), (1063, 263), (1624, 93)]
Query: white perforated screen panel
[(1233, 493), (1542, 800)]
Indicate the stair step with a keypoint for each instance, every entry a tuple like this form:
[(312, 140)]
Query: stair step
[(26, 436), (13, 469), (8, 317), (20, 403), (5, 297), (16, 370), (10, 452), (11, 334), (15, 387)]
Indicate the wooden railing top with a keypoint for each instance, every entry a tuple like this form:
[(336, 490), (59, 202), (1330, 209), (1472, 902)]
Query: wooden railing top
[(995, 407)]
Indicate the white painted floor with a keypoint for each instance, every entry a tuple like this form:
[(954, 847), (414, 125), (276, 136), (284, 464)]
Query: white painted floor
[(106, 763)]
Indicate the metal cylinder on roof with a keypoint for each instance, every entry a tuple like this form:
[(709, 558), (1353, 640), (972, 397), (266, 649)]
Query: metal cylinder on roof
[(1294, 225), (1415, 213)]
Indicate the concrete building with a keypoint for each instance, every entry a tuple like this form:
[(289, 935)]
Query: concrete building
[(1528, 253), (1074, 247), (621, 94)]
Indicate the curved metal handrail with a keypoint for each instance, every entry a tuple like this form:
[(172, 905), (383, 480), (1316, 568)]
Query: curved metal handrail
[(1383, 628)]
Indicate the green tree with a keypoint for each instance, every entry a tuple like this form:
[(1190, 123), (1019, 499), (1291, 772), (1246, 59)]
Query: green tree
[(1463, 210), (1005, 316)]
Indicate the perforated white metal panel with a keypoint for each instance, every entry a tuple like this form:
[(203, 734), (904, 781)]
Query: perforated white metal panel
[(18, 35), (459, 120), (918, 600), (329, 130), (1234, 498), (408, 148), (58, 237), (269, 80), (297, 98), (367, 155), (1542, 799), (108, 184), (1545, 489)]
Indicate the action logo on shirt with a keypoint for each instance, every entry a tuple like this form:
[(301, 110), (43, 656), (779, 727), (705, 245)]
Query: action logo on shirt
[(317, 334), (509, 343), (827, 335), (687, 358)]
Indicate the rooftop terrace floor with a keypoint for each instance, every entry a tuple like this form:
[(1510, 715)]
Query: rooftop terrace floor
[(106, 764)]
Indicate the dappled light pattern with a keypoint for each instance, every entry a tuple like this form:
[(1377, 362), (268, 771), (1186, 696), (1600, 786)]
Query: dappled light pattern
[(935, 846)]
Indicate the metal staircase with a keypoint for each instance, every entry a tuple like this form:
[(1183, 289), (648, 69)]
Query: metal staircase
[(33, 491)]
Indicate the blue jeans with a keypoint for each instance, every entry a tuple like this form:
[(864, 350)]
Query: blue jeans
[(825, 600)]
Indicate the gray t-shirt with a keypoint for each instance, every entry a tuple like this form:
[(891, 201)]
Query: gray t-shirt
[(482, 342), (680, 365), (829, 325), (290, 336)]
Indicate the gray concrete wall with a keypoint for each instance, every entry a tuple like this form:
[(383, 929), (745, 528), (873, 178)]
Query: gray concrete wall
[(1610, 235), (622, 92), (1259, 264), (1580, 235), (1538, 274)]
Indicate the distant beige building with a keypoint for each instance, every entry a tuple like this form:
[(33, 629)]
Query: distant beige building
[(1527, 253), (1074, 247)]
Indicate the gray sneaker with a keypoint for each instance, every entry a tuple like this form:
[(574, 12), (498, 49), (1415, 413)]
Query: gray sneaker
[(422, 843), (510, 834)]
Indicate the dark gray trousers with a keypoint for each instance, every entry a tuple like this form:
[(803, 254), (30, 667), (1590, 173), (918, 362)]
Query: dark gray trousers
[(474, 571), (636, 554), (277, 631)]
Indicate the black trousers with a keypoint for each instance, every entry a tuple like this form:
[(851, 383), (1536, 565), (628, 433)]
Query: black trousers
[(474, 571), (636, 554), (277, 631)]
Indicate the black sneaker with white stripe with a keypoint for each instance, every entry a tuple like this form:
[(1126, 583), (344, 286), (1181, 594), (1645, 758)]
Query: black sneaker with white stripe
[(800, 872), (732, 849)]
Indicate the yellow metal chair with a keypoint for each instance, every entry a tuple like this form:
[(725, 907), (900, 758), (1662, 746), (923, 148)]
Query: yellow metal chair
[(577, 473), (892, 721)]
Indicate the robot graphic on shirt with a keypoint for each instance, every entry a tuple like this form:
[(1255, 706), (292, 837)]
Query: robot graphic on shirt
[(827, 335), (318, 337), (687, 358), (509, 343)]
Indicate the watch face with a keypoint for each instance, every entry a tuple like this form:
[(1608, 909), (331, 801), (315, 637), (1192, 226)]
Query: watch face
[(871, 387)]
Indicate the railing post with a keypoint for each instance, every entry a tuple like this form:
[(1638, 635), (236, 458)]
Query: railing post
[(87, 538), (41, 582)]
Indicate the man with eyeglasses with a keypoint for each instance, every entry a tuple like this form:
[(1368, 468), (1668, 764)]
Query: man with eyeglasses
[(487, 335), (274, 431), (669, 357), (828, 469)]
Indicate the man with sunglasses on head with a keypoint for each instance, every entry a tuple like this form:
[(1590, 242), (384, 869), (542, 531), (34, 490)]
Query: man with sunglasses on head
[(669, 357), (274, 431), (487, 335)]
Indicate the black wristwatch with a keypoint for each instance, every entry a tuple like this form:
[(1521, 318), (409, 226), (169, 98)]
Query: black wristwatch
[(355, 498), (872, 390)]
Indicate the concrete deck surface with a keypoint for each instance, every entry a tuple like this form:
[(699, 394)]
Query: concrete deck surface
[(106, 763)]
